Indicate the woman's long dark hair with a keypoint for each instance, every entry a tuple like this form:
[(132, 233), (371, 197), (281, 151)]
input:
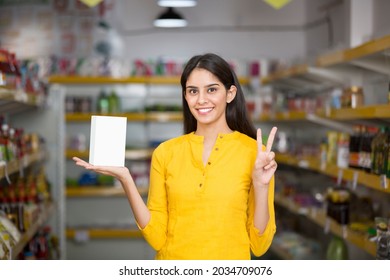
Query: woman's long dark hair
[(236, 112)]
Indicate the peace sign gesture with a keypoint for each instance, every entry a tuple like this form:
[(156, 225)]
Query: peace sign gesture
[(265, 164)]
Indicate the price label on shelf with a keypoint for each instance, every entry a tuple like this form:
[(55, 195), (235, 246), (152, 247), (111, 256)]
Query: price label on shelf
[(81, 236), (383, 180), (340, 176), (355, 180), (327, 225)]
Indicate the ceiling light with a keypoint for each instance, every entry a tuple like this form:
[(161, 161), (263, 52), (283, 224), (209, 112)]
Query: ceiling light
[(170, 18), (177, 3)]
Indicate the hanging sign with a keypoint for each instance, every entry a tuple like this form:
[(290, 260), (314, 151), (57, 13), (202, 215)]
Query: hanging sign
[(91, 3), (277, 4)]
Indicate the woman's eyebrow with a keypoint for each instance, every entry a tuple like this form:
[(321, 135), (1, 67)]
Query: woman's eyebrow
[(209, 85)]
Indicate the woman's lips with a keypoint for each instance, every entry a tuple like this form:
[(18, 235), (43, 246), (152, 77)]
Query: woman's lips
[(204, 111)]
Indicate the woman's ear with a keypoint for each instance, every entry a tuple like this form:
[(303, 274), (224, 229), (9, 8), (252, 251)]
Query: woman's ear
[(231, 94)]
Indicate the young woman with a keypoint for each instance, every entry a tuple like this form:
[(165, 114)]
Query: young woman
[(212, 189)]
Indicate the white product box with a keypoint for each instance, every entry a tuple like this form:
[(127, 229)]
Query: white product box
[(107, 145)]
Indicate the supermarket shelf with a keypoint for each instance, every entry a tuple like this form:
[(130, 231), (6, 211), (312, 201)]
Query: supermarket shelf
[(381, 111), (92, 233), (319, 217), (149, 116), (86, 117), (283, 254), (284, 116), (369, 48), (157, 80), (131, 154), (13, 101), (354, 175), (27, 236), (315, 75), (164, 116), (367, 112), (295, 70), (14, 165), (100, 191)]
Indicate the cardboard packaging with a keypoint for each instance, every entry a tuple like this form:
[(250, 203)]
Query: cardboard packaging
[(107, 141)]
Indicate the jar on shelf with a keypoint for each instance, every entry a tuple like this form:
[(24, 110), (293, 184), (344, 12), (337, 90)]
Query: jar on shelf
[(357, 97)]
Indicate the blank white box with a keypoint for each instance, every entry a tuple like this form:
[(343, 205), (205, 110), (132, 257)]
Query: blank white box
[(107, 145)]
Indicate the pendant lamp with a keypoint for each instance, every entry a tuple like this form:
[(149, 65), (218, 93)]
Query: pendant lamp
[(170, 18), (177, 3)]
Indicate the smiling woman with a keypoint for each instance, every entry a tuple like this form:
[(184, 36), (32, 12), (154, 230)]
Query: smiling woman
[(212, 189)]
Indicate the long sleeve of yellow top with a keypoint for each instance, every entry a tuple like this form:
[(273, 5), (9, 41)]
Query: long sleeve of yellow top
[(205, 211)]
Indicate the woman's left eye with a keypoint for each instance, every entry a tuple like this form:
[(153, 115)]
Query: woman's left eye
[(212, 90)]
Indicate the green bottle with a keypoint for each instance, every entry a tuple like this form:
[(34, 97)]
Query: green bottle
[(337, 249), (103, 103), (114, 103)]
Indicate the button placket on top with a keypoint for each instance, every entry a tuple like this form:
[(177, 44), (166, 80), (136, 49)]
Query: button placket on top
[(214, 153)]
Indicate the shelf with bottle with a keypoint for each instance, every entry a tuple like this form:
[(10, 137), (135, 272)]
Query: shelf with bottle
[(26, 202), (380, 111), (133, 117), (45, 212), (153, 80), (319, 216), (370, 56), (20, 85), (15, 165), (13, 101), (356, 176), (290, 245)]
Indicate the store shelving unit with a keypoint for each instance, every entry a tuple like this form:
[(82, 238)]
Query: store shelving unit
[(356, 176), (45, 213), (372, 112), (23, 109), (329, 70), (319, 217), (333, 67)]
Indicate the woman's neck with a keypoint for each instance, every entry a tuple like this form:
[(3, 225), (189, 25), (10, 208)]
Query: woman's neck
[(211, 133)]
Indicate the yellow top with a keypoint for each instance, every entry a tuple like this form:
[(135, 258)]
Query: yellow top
[(205, 212)]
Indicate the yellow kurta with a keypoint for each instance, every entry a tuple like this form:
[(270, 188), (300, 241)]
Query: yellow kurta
[(202, 211)]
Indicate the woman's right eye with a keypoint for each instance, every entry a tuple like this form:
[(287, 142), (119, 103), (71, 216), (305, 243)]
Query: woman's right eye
[(192, 91)]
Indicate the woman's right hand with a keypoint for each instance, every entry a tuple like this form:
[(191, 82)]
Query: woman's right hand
[(120, 173)]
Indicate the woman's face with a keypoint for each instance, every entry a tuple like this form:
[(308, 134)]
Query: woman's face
[(207, 97)]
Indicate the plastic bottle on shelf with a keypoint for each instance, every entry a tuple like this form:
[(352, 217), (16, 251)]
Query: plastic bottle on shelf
[(388, 95), (379, 152), (103, 103), (343, 150), (354, 147), (357, 97), (114, 103), (337, 249)]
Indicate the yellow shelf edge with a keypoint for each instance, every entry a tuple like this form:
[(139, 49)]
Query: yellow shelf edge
[(369, 180), (96, 233), (130, 154), (83, 117), (294, 70), (100, 191), (148, 116), (366, 49), (156, 80)]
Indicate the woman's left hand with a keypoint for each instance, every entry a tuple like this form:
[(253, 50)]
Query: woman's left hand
[(265, 164)]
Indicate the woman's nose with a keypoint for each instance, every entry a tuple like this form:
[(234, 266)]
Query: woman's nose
[(202, 99)]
